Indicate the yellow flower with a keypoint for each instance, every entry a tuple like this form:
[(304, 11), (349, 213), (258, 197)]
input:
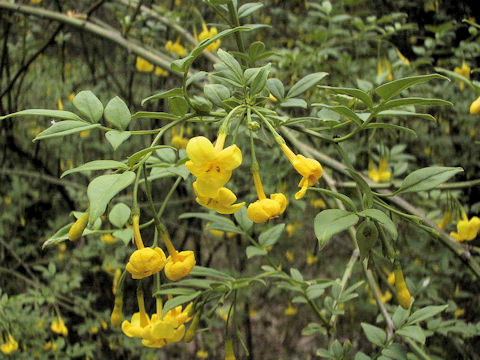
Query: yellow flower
[(310, 169), (382, 174), (60, 104), (220, 234), (103, 324), (179, 265), (467, 230), (318, 203), (179, 142), (311, 259), (229, 352), (143, 65), (383, 297), (290, 310), (136, 327), (93, 330), (273, 98), (463, 71), (116, 277), (58, 327), (84, 134), (176, 47), (208, 34), (223, 202), (402, 57), (117, 314), (265, 209), (78, 227), (403, 294), (459, 312), (475, 107), (211, 165), (9, 346), (71, 97), (391, 278), (202, 354), (447, 218), (50, 346), (160, 72), (289, 255), (108, 238), (384, 66), (145, 262)]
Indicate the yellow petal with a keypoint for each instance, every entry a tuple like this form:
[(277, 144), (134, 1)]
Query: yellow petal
[(200, 150)]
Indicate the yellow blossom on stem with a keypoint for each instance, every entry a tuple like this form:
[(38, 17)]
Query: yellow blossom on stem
[(58, 327), (9, 346), (222, 202), (475, 107), (176, 47), (146, 262), (140, 320), (447, 218), (310, 169), (212, 165), (60, 104), (402, 58), (229, 351), (384, 66), (386, 297), (311, 259), (467, 230), (78, 227), (403, 294), (208, 34), (382, 174), (179, 265), (117, 314), (463, 71), (178, 140), (290, 255), (265, 209), (160, 72), (143, 65), (290, 310), (272, 98)]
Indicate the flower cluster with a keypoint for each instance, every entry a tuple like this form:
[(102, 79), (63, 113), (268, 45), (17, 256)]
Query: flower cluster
[(9, 346), (208, 34), (143, 65)]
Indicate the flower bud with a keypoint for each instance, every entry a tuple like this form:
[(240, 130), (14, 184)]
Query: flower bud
[(192, 329), (179, 265), (229, 352), (145, 262), (117, 314), (475, 107), (78, 227), (266, 209), (403, 295)]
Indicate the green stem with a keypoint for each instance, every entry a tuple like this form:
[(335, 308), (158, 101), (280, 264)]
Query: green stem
[(235, 22)]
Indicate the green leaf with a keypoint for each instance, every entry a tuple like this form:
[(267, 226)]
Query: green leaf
[(414, 331), (242, 219), (255, 251), (179, 300), (132, 159), (459, 78), (427, 178), (255, 50), (276, 88), (410, 101), (395, 352), (208, 217), (248, 8), (374, 334), (315, 291), (208, 272), (271, 236), (89, 106), (117, 138), (356, 93), (164, 95), (117, 113), (96, 165), (361, 356), (425, 313), (400, 316), (383, 219), (390, 126), (330, 222), (343, 198), (390, 113), (393, 88), (58, 114), (363, 185), (231, 63), (259, 81), (366, 235), (296, 275), (102, 189), (126, 235), (305, 83), (154, 115), (344, 111), (216, 93), (63, 128), (178, 105), (119, 215), (287, 103)]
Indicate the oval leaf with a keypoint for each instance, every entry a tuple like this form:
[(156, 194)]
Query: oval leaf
[(330, 222)]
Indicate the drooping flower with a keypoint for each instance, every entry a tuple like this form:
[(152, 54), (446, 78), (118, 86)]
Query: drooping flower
[(212, 165), (179, 265), (475, 107), (403, 294), (310, 169), (290, 255), (382, 174), (290, 310), (310, 258), (145, 262), (178, 140), (176, 47), (384, 297), (229, 351), (402, 57), (140, 320), (58, 327), (202, 354), (318, 203), (78, 227), (467, 230), (9, 346), (50, 346), (160, 72), (384, 66), (143, 65), (222, 203), (463, 71), (208, 34), (447, 218)]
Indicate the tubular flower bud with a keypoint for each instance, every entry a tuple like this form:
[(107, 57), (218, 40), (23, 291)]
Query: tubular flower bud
[(117, 314), (403, 295), (9, 346), (475, 107), (78, 227), (145, 262), (212, 165), (229, 352), (467, 230), (58, 327), (192, 329), (179, 265)]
